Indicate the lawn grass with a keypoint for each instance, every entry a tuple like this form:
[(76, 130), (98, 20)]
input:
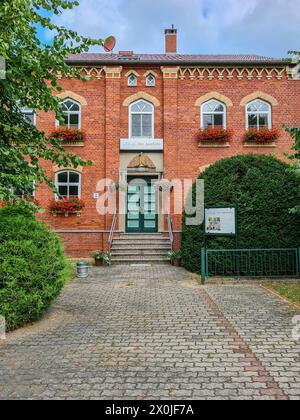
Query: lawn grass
[(290, 291)]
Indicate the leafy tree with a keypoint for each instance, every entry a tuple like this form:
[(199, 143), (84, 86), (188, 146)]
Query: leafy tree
[(31, 81)]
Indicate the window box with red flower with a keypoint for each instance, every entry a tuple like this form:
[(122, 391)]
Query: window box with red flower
[(67, 206), (261, 137), (214, 137), (70, 137)]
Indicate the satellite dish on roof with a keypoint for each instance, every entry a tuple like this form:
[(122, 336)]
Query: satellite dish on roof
[(109, 44)]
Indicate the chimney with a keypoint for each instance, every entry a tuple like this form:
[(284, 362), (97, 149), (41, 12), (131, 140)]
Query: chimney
[(171, 40)]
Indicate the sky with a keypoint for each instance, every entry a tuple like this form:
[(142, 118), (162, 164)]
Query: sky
[(265, 27)]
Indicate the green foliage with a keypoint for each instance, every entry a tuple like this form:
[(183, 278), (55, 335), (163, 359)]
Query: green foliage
[(32, 267), (174, 255), (295, 134), (31, 82), (295, 156), (101, 256), (264, 189)]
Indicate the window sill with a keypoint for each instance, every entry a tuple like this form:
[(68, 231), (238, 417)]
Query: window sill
[(214, 145), (66, 214), (73, 144), (272, 145)]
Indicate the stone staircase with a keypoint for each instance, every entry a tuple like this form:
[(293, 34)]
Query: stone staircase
[(140, 249)]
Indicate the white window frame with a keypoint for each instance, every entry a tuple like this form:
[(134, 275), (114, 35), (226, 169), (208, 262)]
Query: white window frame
[(224, 113), (141, 113), (147, 80), (57, 124), (68, 184), (269, 113), (27, 111), (135, 80)]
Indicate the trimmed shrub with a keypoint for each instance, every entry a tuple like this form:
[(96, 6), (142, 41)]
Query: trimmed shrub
[(32, 267), (264, 189)]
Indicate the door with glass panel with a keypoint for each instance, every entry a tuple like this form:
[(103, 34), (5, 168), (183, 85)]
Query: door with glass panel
[(141, 206)]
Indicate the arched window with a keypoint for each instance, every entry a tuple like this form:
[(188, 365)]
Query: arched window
[(132, 80), (68, 184), (150, 80), (259, 114), (141, 121), (72, 114), (213, 114)]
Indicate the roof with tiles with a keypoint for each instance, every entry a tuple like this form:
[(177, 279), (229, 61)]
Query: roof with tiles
[(171, 59)]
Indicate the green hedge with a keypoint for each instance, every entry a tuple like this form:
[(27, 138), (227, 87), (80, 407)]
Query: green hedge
[(32, 267), (264, 189)]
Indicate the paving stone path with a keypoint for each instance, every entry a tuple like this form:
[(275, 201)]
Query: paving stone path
[(154, 333)]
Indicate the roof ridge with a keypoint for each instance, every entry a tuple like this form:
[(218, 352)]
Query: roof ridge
[(174, 58)]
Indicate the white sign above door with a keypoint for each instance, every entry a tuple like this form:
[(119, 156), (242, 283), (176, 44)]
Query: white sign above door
[(150, 145)]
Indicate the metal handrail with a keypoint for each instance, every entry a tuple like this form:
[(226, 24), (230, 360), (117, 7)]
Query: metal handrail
[(112, 230), (170, 229)]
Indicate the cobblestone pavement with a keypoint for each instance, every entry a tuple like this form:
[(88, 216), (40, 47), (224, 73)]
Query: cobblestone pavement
[(154, 333)]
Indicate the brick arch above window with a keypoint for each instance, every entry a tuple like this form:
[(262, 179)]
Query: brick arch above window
[(141, 95), (213, 95), (150, 72), (57, 168), (72, 95), (203, 168), (259, 95), (132, 72)]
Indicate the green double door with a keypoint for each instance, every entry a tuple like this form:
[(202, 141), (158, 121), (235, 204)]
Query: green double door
[(141, 206)]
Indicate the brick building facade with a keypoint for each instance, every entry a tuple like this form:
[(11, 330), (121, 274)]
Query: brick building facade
[(127, 93)]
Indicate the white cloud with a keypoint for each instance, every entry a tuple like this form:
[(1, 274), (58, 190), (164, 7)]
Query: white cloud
[(268, 27)]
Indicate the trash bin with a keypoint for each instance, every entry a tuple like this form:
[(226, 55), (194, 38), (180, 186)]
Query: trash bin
[(82, 269)]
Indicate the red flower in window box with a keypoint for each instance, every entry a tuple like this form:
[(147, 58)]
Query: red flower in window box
[(261, 136), (215, 135), (72, 205), (67, 135)]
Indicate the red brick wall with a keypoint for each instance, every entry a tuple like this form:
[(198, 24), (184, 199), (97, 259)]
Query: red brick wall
[(287, 112), (105, 119)]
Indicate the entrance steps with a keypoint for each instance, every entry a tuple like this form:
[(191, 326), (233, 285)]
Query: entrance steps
[(140, 249)]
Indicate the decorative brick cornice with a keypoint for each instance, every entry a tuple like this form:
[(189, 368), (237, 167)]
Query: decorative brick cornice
[(200, 73), (69, 94), (141, 95), (213, 95), (230, 73), (113, 72), (87, 72), (170, 72), (259, 95), (91, 72)]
